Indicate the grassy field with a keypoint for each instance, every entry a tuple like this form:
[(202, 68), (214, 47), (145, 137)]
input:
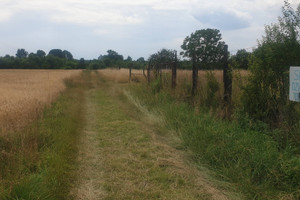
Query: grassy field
[(24, 93)]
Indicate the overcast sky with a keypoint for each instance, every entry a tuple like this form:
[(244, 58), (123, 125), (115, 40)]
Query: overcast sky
[(88, 28)]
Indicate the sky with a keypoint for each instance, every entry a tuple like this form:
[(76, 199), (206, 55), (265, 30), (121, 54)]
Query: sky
[(136, 28)]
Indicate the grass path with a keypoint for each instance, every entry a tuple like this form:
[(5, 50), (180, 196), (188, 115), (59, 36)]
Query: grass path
[(121, 156)]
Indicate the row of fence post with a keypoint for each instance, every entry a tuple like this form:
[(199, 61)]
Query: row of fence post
[(227, 75)]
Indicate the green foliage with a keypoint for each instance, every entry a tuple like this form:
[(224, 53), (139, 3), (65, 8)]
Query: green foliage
[(162, 59), (40, 53), (205, 46), (67, 55), (21, 53), (57, 53), (61, 54), (141, 60), (265, 98), (240, 60)]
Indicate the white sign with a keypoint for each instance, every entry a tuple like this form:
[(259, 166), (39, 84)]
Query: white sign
[(295, 84)]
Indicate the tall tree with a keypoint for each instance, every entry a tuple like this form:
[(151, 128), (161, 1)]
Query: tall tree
[(68, 55), (57, 53), (241, 59), (141, 59), (162, 58), (265, 96), (113, 55), (21, 53), (128, 59), (202, 47), (40, 53)]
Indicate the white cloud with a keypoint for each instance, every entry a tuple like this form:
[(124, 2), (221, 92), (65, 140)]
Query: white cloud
[(5, 15), (129, 11)]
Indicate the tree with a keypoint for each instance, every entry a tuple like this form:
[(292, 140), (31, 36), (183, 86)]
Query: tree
[(113, 55), (67, 55), (128, 59), (241, 59), (57, 53), (21, 53), (162, 57), (265, 96), (202, 47), (81, 63), (141, 60), (40, 53)]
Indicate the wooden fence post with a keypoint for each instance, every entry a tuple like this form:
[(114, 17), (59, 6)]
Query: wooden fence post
[(227, 78), (148, 74), (130, 73), (174, 66), (195, 76)]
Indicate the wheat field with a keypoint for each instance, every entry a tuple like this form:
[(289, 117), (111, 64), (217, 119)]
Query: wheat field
[(24, 93)]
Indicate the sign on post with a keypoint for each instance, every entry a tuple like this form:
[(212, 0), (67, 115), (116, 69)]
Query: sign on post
[(295, 84)]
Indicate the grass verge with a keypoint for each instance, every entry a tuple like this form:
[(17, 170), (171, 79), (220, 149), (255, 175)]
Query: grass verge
[(38, 162), (248, 158)]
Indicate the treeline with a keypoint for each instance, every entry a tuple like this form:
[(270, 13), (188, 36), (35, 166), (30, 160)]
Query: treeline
[(63, 59)]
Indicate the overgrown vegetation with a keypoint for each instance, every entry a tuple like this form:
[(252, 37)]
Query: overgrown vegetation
[(265, 97), (36, 163), (240, 153)]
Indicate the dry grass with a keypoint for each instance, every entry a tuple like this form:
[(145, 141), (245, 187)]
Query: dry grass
[(116, 75), (24, 93), (122, 75), (184, 82)]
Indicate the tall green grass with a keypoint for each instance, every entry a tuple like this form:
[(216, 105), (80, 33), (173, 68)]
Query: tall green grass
[(40, 159), (247, 157)]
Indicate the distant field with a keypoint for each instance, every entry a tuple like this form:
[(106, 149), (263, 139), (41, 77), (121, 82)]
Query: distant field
[(25, 92)]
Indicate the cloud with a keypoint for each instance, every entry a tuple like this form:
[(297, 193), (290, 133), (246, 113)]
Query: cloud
[(5, 15), (89, 12), (90, 17), (223, 20)]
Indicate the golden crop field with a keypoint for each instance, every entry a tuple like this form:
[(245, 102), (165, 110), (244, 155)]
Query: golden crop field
[(24, 93)]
